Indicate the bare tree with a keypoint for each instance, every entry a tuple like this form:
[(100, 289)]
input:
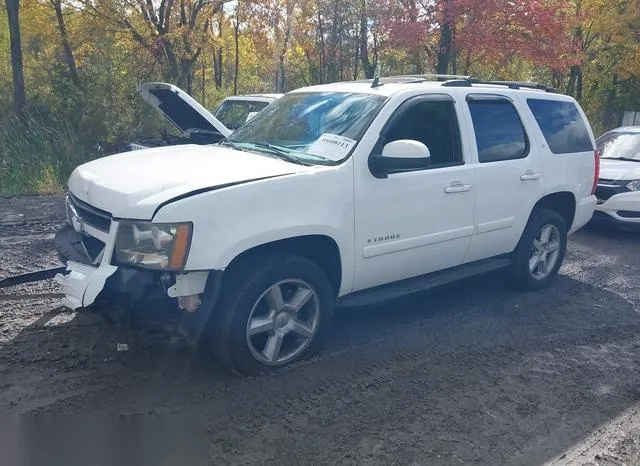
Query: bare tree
[(166, 29), (17, 67), (236, 31), (445, 44), (283, 35), (367, 66), (66, 45), (217, 54)]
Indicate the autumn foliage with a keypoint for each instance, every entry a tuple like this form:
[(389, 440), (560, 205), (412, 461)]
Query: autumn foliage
[(81, 60)]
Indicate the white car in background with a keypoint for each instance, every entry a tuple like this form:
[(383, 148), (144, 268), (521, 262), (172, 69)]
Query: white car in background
[(618, 189), (196, 124), (234, 111)]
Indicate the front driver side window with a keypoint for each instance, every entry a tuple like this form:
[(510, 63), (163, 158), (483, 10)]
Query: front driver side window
[(433, 123)]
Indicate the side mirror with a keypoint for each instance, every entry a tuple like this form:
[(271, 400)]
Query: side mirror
[(404, 154)]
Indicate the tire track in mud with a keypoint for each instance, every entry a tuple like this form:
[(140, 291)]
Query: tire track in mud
[(377, 344), (471, 373), (383, 332), (400, 368), (405, 366)]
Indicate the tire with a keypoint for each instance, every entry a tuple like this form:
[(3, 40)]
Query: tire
[(250, 289), (524, 273)]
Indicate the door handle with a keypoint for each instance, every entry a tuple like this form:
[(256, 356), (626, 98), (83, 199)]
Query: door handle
[(529, 175), (457, 188)]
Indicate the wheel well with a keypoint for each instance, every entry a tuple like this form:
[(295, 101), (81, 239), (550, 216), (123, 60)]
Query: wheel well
[(563, 202), (320, 249)]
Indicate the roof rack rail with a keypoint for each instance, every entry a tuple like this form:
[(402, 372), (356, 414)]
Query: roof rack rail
[(519, 84), (458, 82), (510, 84), (437, 76), (455, 80), (414, 78)]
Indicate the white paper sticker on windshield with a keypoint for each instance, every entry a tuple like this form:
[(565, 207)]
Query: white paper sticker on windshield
[(250, 116), (331, 146)]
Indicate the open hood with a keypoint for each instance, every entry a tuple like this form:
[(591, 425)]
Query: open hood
[(181, 109)]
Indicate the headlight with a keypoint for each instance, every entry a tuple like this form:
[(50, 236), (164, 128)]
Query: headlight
[(634, 185), (161, 246)]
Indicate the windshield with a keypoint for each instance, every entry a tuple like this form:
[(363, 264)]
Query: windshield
[(315, 128), (234, 113), (622, 146)]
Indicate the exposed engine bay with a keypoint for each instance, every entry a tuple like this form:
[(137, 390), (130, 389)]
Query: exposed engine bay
[(201, 137)]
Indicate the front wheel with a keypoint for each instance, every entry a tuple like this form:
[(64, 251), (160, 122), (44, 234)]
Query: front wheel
[(274, 311), (540, 252)]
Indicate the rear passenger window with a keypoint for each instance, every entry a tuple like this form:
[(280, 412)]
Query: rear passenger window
[(498, 129), (562, 125)]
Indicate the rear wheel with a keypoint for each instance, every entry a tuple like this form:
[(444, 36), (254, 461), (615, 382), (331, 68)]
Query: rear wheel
[(273, 311), (540, 252)]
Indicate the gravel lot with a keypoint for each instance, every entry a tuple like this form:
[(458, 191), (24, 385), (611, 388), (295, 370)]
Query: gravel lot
[(472, 373)]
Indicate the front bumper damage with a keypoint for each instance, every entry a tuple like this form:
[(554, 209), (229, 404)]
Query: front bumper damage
[(82, 283), (90, 274), (87, 254)]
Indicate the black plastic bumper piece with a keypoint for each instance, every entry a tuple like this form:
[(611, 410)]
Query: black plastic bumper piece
[(30, 277), (70, 247), (134, 285)]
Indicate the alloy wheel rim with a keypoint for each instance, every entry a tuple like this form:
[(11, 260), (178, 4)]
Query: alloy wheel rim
[(545, 251), (283, 322)]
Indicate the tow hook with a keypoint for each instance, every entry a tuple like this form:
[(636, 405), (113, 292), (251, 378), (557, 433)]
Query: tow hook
[(189, 303), (187, 289)]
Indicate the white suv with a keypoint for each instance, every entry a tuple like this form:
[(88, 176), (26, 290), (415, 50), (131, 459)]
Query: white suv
[(236, 110), (347, 193)]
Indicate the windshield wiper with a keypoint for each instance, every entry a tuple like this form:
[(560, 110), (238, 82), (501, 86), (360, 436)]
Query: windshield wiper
[(278, 151), (233, 145), (624, 159)]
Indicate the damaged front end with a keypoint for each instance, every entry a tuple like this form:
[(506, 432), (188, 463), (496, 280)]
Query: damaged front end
[(123, 261)]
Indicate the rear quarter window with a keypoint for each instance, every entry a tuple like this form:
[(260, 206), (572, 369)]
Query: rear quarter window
[(562, 125)]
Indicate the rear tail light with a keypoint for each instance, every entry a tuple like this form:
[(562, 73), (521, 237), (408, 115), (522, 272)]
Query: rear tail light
[(596, 174)]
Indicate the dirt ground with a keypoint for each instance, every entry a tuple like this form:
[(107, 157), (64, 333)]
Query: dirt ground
[(472, 373)]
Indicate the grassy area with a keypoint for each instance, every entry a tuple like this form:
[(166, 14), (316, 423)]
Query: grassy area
[(36, 157)]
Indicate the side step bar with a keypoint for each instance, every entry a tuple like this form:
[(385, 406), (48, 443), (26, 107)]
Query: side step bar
[(423, 282), (29, 277)]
